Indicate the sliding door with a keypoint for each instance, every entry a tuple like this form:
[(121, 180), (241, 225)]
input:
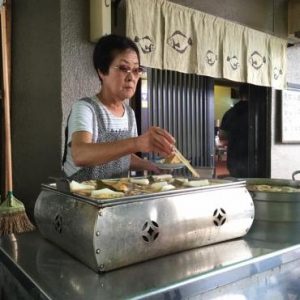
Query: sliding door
[(183, 104)]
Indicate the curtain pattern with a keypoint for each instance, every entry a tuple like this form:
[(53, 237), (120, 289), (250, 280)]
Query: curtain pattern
[(177, 38)]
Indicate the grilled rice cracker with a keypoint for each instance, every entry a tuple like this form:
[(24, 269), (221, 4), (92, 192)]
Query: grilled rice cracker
[(106, 194), (77, 186), (172, 159)]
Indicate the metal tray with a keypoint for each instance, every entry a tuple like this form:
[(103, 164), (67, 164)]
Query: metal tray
[(217, 184)]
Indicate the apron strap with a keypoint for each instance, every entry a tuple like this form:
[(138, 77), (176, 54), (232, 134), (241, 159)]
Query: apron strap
[(66, 142)]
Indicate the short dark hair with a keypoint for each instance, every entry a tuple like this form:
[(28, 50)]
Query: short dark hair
[(108, 47)]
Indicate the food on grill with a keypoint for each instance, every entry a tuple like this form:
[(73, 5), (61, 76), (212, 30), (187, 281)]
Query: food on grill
[(140, 181), (272, 188), (180, 180), (76, 186), (118, 185), (197, 183), (157, 186), (106, 193), (168, 187), (116, 188), (163, 177), (172, 159)]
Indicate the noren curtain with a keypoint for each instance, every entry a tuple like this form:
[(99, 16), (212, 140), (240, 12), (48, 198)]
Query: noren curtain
[(178, 38)]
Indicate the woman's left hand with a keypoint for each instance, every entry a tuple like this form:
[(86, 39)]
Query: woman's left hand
[(151, 167), (139, 164)]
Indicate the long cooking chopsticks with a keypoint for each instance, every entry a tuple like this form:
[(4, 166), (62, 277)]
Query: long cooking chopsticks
[(186, 163)]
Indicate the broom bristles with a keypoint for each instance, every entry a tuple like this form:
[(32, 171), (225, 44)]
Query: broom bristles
[(13, 218), (17, 222)]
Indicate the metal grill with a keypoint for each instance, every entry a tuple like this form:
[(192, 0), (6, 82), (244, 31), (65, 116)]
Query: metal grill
[(183, 104)]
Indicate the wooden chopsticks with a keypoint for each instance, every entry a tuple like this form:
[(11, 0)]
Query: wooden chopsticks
[(186, 163)]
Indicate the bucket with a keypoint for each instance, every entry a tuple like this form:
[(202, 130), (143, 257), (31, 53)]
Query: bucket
[(277, 213)]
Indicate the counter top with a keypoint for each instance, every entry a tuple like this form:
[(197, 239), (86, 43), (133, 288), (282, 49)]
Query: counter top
[(231, 266)]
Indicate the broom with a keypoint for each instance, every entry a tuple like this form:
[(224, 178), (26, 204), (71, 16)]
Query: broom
[(13, 218)]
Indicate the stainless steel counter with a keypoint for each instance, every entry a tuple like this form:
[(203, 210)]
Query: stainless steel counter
[(241, 269)]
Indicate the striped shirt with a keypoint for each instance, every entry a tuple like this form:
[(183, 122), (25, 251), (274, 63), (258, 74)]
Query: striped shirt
[(82, 119)]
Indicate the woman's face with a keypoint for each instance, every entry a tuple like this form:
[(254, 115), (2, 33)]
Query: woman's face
[(123, 75)]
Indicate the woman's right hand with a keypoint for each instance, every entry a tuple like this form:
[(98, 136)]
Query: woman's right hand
[(156, 140)]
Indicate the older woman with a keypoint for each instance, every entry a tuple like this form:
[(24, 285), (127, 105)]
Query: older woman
[(101, 132)]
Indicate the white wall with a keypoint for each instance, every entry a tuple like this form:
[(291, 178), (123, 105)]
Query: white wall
[(285, 158)]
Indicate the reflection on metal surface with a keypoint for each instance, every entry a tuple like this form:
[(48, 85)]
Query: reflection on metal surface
[(13, 246), (278, 283), (151, 275), (231, 296), (228, 268), (10, 287)]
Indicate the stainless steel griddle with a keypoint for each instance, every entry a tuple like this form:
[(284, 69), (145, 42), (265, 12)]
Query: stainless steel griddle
[(106, 234)]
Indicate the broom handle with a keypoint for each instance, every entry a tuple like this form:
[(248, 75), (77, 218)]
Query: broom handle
[(8, 39), (6, 99)]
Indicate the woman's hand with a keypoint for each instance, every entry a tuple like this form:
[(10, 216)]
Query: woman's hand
[(153, 168), (139, 164), (87, 153), (156, 140)]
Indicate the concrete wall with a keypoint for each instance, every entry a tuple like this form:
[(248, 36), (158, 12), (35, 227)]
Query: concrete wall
[(266, 15), (77, 71), (52, 68), (36, 95)]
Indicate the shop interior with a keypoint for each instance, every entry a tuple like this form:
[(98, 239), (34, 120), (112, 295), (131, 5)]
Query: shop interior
[(225, 97)]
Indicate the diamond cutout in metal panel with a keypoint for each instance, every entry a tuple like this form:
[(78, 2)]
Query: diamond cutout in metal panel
[(150, 231), (58, 222), (219, 216)]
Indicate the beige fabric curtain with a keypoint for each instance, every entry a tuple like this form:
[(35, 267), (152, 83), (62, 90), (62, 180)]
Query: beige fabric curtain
[(145, 25), (174, 37)]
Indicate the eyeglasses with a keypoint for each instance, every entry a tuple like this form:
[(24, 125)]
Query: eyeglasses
[(139, 71)]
